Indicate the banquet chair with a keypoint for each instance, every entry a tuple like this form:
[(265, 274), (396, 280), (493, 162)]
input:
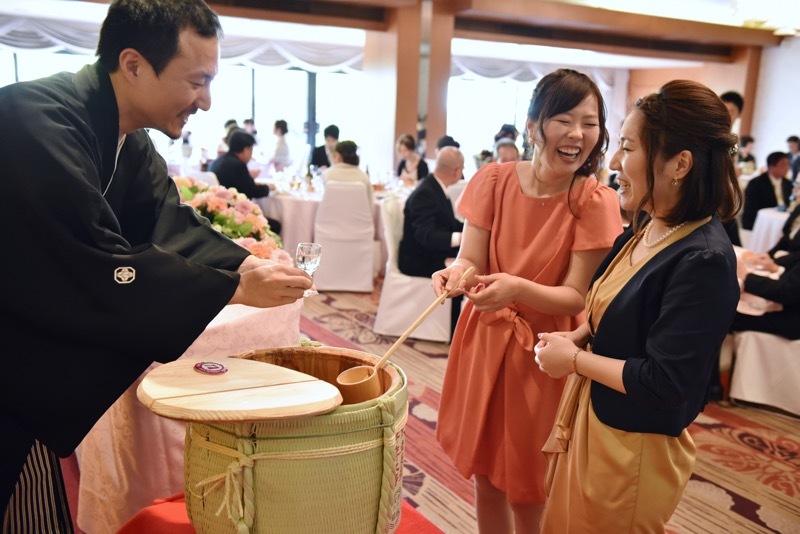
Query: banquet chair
[(205, 176), (345, 228), (403, 297), (454, 192), (765, 370)]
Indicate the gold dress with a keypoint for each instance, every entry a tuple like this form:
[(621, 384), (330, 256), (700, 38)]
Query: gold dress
[(602, 479)]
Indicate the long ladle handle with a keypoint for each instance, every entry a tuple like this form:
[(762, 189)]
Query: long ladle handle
[(421, 318)]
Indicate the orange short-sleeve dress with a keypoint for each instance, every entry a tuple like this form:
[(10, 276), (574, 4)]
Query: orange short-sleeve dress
[(497, 408)]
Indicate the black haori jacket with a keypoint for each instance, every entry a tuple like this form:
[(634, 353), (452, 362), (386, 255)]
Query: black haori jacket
[(103, 270), (668, 322)]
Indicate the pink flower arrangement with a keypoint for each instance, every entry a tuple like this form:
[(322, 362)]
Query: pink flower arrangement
[(232, 214)]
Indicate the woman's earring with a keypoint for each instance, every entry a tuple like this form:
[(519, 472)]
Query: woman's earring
[(676, 181)]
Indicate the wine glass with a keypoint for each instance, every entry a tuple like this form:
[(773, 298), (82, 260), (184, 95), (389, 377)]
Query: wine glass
[(308, 257)]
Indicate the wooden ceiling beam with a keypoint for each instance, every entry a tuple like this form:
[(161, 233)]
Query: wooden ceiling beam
[(547, 13)]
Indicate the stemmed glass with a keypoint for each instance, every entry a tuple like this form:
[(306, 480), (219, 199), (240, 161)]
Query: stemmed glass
[(308, 257)]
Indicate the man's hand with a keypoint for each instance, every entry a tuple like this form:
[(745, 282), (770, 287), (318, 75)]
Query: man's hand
[(270, 285), (253, 262)]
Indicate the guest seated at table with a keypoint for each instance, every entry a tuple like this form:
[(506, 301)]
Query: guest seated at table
[(761, 191), (794, 156), (431, 232), (782, 286), (444, 141), (413, 167), (745, 160), (281, 159), (345, 167), (321, 155), (505, 150), (231, 170)]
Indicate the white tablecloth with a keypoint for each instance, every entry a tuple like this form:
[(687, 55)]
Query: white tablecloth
[(132, 456), (767, 229)]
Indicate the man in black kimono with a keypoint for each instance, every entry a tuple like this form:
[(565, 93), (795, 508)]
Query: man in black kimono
[(103, 270)]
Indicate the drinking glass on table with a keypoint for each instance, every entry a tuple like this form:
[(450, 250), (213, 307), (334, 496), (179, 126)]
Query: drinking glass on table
[(308, 256)]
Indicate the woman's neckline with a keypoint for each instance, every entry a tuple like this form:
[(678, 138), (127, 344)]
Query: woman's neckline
[(543, 198)]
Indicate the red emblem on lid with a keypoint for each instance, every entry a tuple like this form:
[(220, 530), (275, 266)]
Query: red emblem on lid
[(210, 368)]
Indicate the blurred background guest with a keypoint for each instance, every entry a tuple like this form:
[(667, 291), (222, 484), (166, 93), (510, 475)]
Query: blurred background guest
[(507, 131), (230, 125), (793, 143), (321, 155), (444, 141), (505, 150), (769, 190), (231, 170), (281, 159), (345, 167), (746, 161), (412, 167)]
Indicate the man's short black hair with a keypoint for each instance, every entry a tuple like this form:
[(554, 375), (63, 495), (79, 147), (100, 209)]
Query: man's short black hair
[(152, 28), (239, 140), (776, 157), (446, 140), (793, 139), (734, 98), (332, 131)]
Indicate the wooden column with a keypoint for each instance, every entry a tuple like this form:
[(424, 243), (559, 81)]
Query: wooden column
[(750, 57), (442, 30), (391, 62)]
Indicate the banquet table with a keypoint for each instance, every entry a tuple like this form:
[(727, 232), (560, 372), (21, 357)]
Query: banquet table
[(767, 229), (296, 211), (132, 457)]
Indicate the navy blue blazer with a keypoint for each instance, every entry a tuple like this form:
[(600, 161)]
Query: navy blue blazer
[(668, 324)]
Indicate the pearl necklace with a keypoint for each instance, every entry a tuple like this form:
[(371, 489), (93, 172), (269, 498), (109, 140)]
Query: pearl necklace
[(663, 237)]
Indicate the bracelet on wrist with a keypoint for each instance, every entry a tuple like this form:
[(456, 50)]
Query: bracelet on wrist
[(575, 361)]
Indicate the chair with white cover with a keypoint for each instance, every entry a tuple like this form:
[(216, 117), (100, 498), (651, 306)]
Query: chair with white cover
[(765, 370), (345, 228), (454, 192), (404, 298), (207, 177)]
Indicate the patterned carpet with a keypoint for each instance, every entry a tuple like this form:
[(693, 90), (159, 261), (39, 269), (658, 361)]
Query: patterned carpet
[(746, 479)]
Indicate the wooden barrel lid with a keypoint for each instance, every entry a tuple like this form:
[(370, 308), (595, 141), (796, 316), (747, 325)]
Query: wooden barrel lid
[(246, 391)]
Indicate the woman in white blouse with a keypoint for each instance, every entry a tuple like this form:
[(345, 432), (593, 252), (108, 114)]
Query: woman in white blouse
[(345, 167)]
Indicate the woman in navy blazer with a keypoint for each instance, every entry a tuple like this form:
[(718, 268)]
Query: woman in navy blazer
[(657, 312)]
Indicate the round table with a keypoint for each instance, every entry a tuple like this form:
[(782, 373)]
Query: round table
[(767, 229)]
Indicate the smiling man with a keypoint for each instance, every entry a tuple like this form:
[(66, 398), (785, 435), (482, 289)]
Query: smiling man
[(104, 270)]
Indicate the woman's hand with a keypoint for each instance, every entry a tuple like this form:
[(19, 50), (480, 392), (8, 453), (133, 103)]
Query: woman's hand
[(554, 354), (494, 291), (446, 279)]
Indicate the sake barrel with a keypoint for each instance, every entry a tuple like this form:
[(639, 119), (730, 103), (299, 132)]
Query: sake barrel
[(336, 472)]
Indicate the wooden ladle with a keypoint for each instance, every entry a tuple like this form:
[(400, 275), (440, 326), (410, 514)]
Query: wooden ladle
[(362, 383)]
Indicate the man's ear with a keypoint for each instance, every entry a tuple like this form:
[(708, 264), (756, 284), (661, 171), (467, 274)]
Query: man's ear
[(130, 65)]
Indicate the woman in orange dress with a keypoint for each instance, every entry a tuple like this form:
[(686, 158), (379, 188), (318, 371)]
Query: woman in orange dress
[(657, 312), (535, 231)]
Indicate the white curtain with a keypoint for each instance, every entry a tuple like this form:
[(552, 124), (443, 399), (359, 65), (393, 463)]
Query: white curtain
[(24, 33)]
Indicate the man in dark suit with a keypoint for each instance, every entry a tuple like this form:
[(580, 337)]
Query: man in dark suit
[(761, 191), (431, 232), (231, 170), (782, 287), (321, 155), (794, 156)]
